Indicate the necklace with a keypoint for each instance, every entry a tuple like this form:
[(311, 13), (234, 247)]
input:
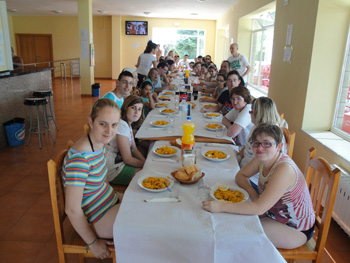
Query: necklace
[(92, 146)]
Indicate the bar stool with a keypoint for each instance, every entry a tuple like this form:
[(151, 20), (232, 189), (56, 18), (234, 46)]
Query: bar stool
[(37, 102), (44, 94)]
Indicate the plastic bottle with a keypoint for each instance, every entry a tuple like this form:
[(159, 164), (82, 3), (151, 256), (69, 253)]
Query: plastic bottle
[(187, 142), (183, 109)]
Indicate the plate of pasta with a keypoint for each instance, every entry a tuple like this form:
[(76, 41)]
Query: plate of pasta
[(159, 124), (155, 184), (213, 115), (229, 194), (214, 127), (167, 111), (215, 155), (161, 105), (165, 151)]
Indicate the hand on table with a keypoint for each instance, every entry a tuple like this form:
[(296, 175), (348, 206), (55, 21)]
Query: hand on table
[(100, 249), (212, 206)]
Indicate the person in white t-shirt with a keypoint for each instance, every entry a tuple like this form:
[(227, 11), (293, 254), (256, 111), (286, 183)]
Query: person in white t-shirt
[(238, 121), (145, 61), (239, 62)]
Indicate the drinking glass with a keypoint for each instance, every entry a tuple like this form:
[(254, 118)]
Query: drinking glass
[(203, 191), (220, 133), (175, 190)]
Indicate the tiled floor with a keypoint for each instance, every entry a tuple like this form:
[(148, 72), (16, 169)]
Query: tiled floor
[(26, 225)]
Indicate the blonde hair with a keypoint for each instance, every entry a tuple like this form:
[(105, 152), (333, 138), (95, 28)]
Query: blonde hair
[(100, 105), (265, 111)]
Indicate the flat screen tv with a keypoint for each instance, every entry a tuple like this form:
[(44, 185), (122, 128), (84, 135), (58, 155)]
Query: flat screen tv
[(136, 27)]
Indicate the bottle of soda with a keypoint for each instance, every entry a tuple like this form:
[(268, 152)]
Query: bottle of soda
[(187, 142)]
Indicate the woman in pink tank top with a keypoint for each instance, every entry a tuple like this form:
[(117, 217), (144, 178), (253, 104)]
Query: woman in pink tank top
[(284, 205)]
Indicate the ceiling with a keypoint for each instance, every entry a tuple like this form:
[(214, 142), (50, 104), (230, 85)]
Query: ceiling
[(192, 9)]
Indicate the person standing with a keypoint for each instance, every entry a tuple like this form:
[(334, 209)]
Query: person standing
[(123, 88), (145, 61), (239, 62)]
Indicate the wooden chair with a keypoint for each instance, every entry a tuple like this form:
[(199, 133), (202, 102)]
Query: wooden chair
[(290, 140), (323, 184), (68, 240)]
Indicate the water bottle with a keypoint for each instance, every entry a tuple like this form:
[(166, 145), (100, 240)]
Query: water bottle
[(183, 110)]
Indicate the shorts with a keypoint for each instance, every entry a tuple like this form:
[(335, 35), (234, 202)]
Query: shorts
[(125, 175), (309, 233)]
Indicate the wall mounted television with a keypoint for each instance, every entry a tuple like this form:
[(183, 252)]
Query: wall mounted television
[(136, 27)]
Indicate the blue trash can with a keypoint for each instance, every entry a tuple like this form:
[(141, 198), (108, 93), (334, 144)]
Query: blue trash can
[(15, 131), (96, 89)]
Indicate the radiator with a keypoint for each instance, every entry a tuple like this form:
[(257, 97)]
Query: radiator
[(341, 210)]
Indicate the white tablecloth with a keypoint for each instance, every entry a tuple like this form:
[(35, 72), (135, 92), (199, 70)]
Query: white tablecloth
[(183, 231), (175, 128)]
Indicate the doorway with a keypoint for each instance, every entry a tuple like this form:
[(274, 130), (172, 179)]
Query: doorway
[(35, 48)]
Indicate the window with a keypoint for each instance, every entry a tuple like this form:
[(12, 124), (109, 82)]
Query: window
[(189, 42), (261, 51), (341, 122)]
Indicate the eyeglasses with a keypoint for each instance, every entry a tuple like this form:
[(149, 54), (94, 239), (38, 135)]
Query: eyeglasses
[(127, 82), (256, 144), (176, 56), (237, 99)]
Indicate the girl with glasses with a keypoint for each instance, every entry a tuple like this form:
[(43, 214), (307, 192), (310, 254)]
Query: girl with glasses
[(221, 87), (284, 205)]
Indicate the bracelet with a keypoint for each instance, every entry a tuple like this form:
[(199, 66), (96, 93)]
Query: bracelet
[(90, 244)]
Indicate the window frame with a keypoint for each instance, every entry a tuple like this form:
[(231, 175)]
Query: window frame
[(335, 129)]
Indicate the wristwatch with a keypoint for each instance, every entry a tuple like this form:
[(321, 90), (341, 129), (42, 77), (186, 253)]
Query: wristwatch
[(203, 90)]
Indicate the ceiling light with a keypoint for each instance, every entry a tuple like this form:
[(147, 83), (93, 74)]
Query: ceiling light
[(200, 1), (146, 13), (194, 14), (57, 11), (176, 24), (12, 10), (102, 11)]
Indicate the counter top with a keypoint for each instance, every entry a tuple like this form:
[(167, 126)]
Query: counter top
[(24, 70)]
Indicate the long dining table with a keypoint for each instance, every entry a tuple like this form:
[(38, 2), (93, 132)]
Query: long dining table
[(174, 129), (152, 232)]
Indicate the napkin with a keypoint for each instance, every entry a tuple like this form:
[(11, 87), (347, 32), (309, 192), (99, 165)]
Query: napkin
[(155, 129), (159, 116), (164, 160), (216, 145), (162, 200)]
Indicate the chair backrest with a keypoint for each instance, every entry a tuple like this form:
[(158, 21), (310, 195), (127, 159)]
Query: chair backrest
[(57, 195), (290, 140), (86, 128), (322, 182)]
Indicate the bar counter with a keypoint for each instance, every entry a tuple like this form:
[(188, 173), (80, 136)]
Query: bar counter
[(17, 86)]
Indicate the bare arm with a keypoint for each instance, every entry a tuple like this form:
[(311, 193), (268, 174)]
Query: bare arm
[(154, 63), (234, 130), (125, 151), (138, 62), (246, 72), (74, 196)]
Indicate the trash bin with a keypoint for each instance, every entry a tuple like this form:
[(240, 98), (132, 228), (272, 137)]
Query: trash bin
[(15, 131), (96, 89)]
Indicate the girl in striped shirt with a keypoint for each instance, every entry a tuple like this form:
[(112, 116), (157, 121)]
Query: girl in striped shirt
[(91, 203), (285, 204)]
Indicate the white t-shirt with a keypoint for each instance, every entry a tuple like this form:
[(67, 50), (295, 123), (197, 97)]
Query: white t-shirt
[(125, 130), (146, 60), (239, 63), (242, 119)]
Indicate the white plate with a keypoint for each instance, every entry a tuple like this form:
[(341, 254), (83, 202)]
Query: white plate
[(159, 126), (154, 190), (216, 159), (208, 103), (165, 155), (212, 117), (168, 94), (161, 106), (167, 113), (210, 129), (244, 192), (164, 97)]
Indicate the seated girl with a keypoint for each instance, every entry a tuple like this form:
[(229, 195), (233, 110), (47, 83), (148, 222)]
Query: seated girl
[(91, 203), (285, 202), (152, 77), (211, 83), (124, 159), (221, 86), (238, 121), (149, 99)]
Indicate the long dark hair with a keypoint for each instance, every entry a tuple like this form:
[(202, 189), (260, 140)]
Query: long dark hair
[(128, 102), (150, 46)]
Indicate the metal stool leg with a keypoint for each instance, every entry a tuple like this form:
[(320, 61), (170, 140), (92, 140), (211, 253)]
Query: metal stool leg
[(46, 123), (30, 124), (52, 116), (38, 124)]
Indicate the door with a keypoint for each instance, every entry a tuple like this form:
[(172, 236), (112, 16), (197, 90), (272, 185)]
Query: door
[(35, 48)]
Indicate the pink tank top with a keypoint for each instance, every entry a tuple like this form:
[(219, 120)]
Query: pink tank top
[(294, 208)]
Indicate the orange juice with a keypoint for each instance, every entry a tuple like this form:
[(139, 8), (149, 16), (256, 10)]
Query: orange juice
[(188, 137), (187, 73)]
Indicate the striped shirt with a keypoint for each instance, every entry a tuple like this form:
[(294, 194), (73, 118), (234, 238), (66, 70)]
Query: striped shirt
[(88, 170), (294, 208)]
